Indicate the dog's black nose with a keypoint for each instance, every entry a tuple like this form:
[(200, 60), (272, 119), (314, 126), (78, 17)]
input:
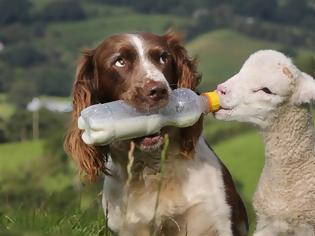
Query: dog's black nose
[(157, 91)]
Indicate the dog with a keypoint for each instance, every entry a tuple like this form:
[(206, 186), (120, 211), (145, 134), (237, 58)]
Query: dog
[(196, 194)]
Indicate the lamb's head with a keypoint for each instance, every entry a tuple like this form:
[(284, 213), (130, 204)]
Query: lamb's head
[(267, 81)]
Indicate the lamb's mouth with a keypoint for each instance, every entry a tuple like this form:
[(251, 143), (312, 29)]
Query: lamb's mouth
[(150, 143), (223, 112), (225, 108)]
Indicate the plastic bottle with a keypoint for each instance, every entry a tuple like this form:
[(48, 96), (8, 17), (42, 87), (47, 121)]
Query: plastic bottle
[(105, 123)]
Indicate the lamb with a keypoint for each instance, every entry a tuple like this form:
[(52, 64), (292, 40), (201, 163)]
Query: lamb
[(272, 93)]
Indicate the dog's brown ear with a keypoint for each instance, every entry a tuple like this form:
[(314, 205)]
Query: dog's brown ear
[(186, 69), (89, 159), (187, 77)]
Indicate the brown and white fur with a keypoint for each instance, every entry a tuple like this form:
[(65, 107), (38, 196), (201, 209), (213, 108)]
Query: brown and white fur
[(197, 194)]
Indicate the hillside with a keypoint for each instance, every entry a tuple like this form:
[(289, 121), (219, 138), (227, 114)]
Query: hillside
[(70, 37), (222, 52), (243, 156), (16, 156)]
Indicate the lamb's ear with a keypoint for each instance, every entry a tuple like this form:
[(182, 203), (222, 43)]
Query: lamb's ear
[(305, 89)]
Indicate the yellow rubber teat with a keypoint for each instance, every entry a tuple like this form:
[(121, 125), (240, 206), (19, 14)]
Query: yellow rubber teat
[(214, 101)]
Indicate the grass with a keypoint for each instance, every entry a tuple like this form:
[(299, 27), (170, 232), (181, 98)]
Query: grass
[(38, 198), (222, 52), (21, 158), (14, 156), (243, 156), (48, 221)]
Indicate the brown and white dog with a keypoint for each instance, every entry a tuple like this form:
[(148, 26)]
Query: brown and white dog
[(197, 194)]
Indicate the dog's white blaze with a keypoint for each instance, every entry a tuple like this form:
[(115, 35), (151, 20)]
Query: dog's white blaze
[(151, 71)]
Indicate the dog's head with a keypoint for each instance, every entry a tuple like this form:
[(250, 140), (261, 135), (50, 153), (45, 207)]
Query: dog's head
[(140, 69)]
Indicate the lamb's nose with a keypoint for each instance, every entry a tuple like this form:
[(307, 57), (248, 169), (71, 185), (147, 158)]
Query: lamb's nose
[(221, 89), (156, 90)]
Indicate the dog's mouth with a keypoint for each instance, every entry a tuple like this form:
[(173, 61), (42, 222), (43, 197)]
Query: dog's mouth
[(150, 143)]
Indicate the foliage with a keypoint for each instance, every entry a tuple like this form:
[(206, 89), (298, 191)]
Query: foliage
[(15, 33), (22, 55), (265, 10), (2, 132), (51, 79), (14, 11), (6, 109), (19, 126), (289, 12), (5, 76), (53, 147), (63, 10), (22, 92)]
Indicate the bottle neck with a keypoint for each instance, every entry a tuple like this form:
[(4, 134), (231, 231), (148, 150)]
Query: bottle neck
[(212, 101), (205, 103)]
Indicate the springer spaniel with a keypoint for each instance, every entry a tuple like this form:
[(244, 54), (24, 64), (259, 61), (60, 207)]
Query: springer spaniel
[(196, 195)]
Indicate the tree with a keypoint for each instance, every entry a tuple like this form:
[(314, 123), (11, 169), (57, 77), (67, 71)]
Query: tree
[(2, 131), (22, 55), (294, 12), (63, 10), (5, 77), (20, 127), (14, 11), (52, 80), (21, 92), (263, 9), (53, 147)]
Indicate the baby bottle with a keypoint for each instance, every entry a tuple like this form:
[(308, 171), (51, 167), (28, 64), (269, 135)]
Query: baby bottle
[(108, 122)]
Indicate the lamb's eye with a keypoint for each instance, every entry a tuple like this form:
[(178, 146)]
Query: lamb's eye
[(163, 58), (120, 62), (266, 90)]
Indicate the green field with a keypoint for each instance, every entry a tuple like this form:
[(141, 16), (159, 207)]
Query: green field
[(221, 54), (38, 197), (70, 37), (241, 154), (16, 156)]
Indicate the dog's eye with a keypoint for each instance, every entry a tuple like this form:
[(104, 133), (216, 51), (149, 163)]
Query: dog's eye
[(163, 58), (120, 62)]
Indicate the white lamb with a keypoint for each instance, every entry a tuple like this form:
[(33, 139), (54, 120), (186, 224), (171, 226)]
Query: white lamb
[(272, 93)]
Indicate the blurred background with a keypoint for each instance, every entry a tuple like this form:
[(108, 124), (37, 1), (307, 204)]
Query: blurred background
[(40, 42)]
